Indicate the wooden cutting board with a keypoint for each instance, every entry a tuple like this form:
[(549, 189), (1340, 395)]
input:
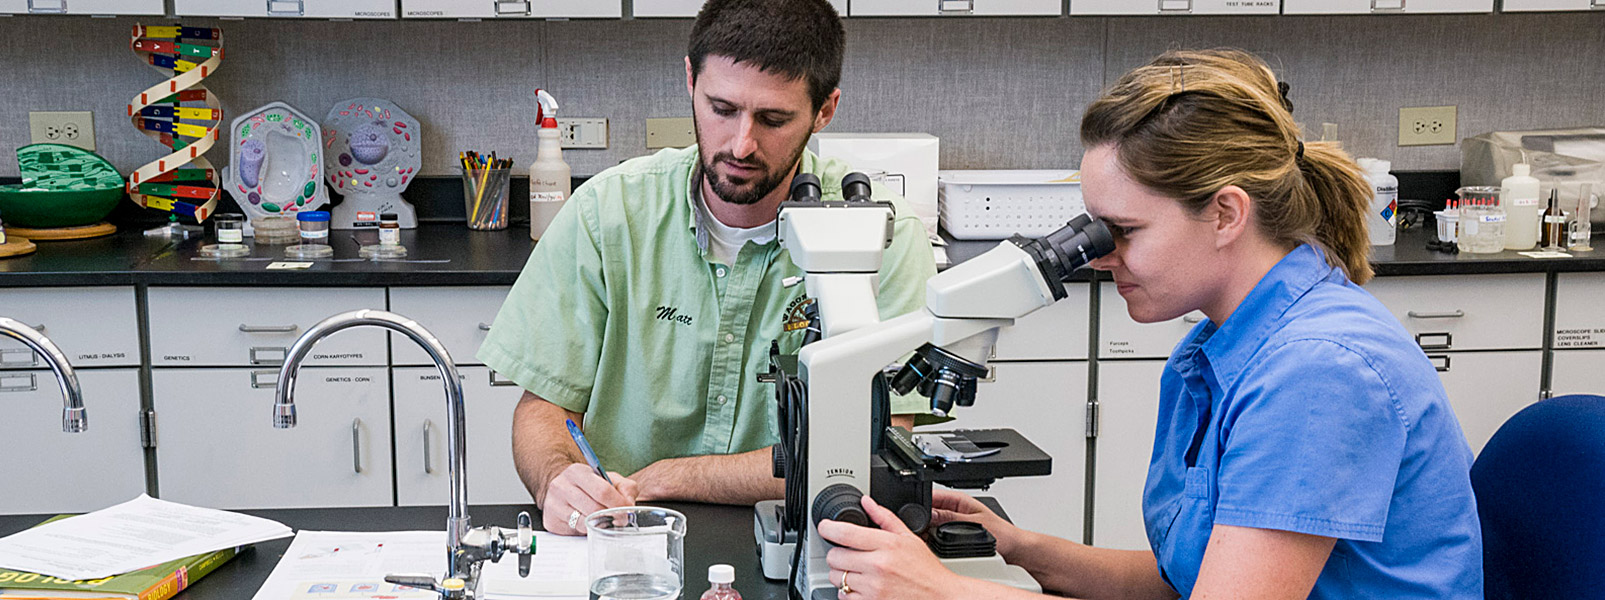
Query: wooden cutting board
[(65, 233)]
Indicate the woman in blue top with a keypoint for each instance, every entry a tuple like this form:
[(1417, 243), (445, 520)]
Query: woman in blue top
[(1304, 447)]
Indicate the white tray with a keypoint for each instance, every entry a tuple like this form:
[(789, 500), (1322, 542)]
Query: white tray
[(994, 205)]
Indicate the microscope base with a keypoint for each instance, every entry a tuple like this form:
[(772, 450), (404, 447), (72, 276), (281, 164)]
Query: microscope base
[(775, 549), (991, 568)]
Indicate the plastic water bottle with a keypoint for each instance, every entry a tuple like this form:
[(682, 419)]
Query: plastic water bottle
[(722, 578)]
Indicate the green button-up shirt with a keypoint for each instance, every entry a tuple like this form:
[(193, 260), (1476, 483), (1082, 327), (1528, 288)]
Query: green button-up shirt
[(621, 314)]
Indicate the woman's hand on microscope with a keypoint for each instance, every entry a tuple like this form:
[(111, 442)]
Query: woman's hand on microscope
[(890, 563), (948, 506)]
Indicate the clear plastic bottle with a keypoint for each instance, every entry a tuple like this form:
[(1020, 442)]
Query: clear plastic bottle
[(1518, 195), (722, 578), (1482, 221)]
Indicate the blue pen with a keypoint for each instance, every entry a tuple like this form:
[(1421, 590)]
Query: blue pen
[(585, 448)]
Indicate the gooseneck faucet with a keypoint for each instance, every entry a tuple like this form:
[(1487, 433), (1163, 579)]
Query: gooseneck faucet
[(466, 548), (74, 419)]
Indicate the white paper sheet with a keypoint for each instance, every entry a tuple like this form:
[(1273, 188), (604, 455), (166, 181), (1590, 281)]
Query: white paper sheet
[(129, 536), (341, 565)]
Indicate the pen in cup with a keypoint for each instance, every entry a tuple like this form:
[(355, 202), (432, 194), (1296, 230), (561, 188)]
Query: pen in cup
[(585, 449)]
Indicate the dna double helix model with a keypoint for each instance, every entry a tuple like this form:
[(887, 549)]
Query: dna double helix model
[(181, 114)]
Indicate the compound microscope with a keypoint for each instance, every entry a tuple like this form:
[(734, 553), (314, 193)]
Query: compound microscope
[(834, 395)]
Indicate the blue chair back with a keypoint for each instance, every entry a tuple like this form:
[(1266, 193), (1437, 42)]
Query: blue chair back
[(1540, 485)]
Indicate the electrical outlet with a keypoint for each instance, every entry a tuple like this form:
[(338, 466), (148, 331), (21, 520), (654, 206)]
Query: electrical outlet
[(73, 128), (1427, 125), (672, 132), (582, 132)]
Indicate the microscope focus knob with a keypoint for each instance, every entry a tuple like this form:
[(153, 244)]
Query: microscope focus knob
[(915, 516), (841, 502)]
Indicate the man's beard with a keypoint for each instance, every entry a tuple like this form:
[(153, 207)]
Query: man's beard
[(755, 189)]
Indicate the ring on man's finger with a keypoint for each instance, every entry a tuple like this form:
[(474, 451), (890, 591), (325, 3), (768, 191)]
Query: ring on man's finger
[(574, 520)]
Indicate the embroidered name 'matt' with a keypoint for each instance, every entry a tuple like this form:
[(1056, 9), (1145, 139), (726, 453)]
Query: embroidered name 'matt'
[(670, 313)]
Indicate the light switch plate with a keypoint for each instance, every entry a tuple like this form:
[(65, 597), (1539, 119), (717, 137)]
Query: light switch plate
[(671, 132), (1427, 126), (73, 128)]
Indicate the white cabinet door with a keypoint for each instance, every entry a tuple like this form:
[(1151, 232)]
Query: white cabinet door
[(93, 326), (1467, 312), (1057, 332), (49, 471), (1121, 337), (689, 8), (103, 7), (1361, 7), (1486, 388), (1175, 7), (1579, 312), (1128, 407), (319, 9), (511, 9), (256, 326), (421, 465), (217, 446), (1047, 403), (460, 317), (1537, 5), (962, 8), (1578, 372)]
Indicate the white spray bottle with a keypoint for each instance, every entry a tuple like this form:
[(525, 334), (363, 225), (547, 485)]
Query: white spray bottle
[(549, 177)]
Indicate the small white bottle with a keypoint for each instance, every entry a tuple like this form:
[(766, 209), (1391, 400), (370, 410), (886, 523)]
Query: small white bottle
[(1382, 220), (1519, 195), (549, 177)]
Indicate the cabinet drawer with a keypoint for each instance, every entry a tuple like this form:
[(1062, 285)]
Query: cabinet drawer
[(957, 8), (1580, 310), (1121, 337), (511, 9), (93, 326), (58, 472), (324, 9), (421, 459), (460, 317), (217, 446), (1384, 7), (1578, 372), (1046, 403), (255, 327), (1175, 7), (1487, 388), (1057, 332), (1467, 312)]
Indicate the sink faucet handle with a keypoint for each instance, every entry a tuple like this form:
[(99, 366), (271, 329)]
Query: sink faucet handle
[(526, 543), (422, 582)]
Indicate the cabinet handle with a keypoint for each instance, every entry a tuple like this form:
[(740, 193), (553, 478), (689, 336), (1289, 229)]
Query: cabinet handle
[(29, 358), (1192, 319), (269, 355), (506, 7), (47, 7), (484, 326), (955, 7), (1453, 314), (286, 8), (496, 380), (356, 444), (264, 379), (1174, 6), (31, 385), (268, 328), (1439, 362), (429, 463), (1435, 340), (1386, 5)]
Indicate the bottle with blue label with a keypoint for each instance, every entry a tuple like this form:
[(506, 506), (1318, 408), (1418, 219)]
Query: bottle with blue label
[(1382, 219)]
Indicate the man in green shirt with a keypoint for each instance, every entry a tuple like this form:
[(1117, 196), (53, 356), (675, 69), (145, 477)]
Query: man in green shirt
[(648, 307)]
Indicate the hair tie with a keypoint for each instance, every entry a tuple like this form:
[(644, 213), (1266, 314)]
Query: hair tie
[(1298, 155), (1283, 88)]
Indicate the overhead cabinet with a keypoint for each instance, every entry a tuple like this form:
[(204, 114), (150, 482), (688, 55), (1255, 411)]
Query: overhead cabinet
[(312, 9), (82, 7), (689, 8), (1365, 7), (1539, 5), (957, 8), (511, 9), (1175, 7)]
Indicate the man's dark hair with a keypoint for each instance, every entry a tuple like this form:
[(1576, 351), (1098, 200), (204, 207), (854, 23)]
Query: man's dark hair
[(800, 39)]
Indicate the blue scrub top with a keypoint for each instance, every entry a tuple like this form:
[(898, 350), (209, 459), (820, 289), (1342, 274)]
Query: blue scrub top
[(1312, 410)]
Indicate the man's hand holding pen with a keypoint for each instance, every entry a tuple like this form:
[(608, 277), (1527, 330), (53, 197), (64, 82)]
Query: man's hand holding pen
[(582, 489)]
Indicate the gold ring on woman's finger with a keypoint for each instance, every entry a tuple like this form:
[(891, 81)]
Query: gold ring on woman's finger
[(846, 589)]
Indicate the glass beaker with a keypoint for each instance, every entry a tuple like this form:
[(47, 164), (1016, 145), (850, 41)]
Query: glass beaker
[(229, 231), (1582, 228), (636, 553), (1482, 220)]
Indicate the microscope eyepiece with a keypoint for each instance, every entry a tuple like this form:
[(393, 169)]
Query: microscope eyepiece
[(1058, 254), (805, 188), (855, 187)]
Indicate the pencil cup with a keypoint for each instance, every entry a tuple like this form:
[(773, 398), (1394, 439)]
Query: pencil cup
[(485, 197)]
